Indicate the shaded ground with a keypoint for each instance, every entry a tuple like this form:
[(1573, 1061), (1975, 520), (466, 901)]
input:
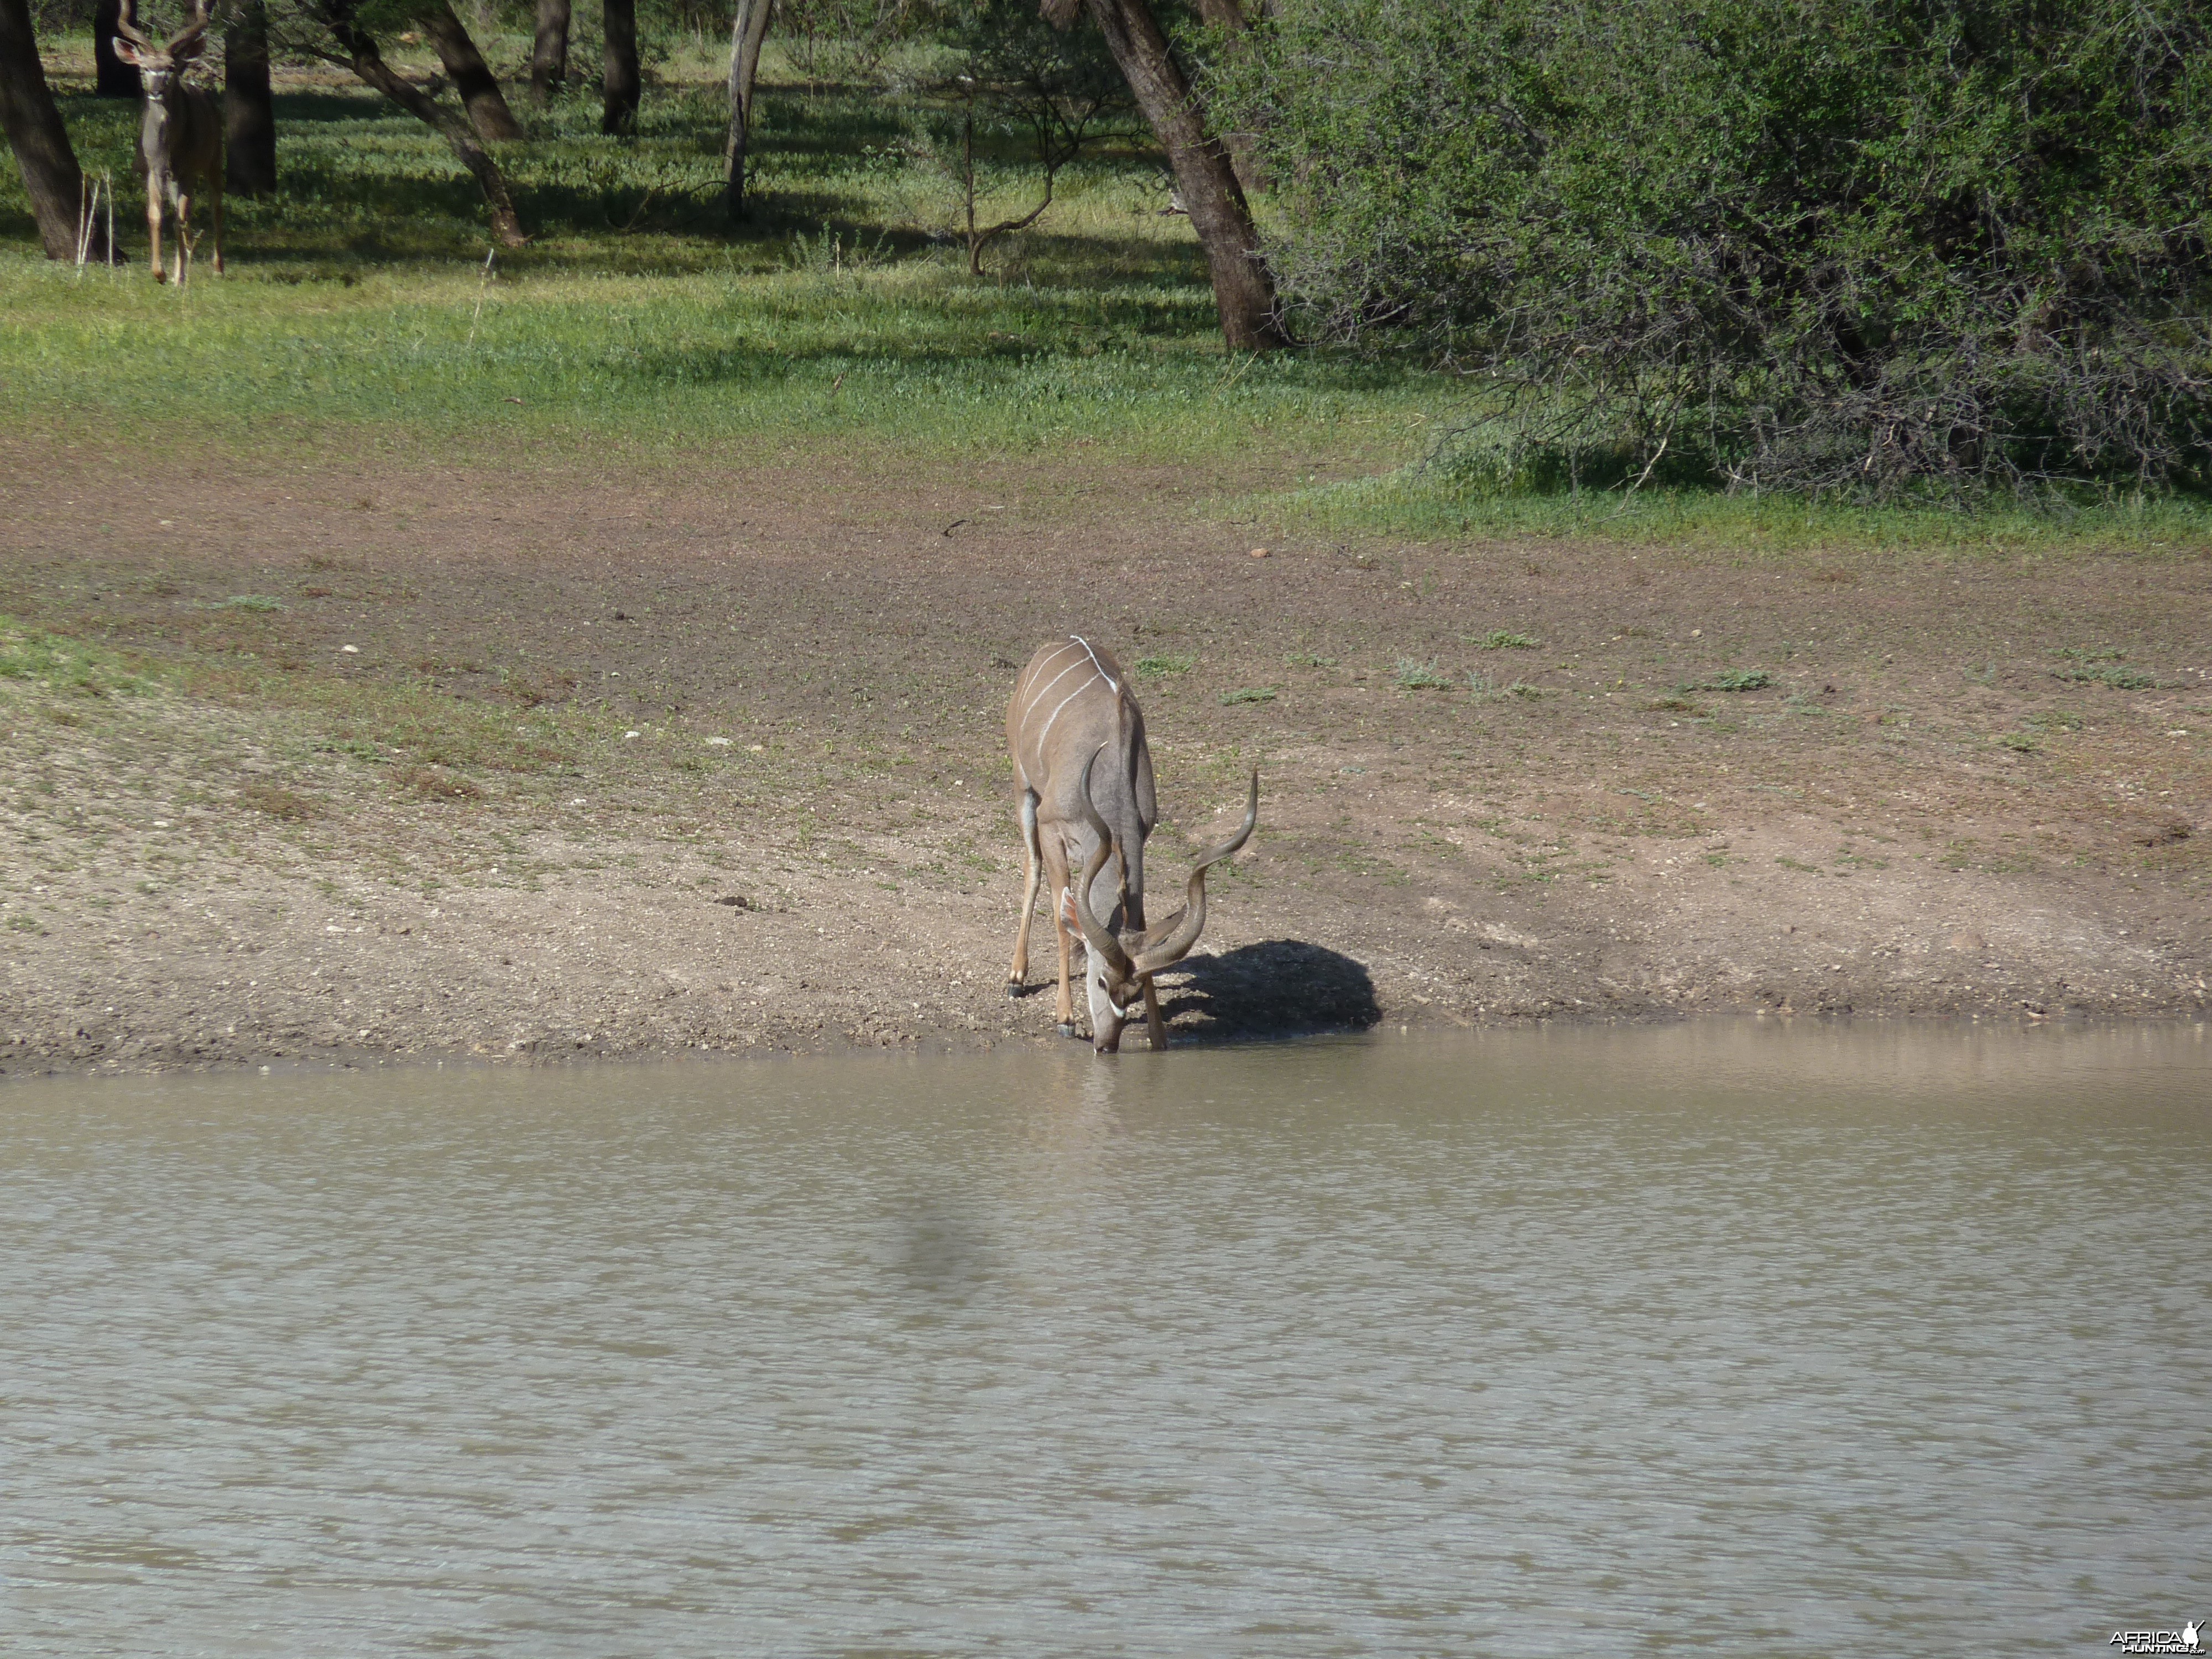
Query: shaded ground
[(1948, 795)]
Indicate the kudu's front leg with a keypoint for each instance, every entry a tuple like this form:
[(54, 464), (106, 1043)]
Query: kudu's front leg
[(154, 233), (181, 233), (1155, 1026)]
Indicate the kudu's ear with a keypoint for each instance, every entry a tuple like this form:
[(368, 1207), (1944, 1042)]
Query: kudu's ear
[(126, 52)]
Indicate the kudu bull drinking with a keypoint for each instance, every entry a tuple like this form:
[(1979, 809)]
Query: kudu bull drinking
[(180, 136), (1085, 773)]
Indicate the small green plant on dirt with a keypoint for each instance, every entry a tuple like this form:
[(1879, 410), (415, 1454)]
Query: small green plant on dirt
[(1501, 638), (1160, 667), (258, 602), (1672, 706), (1307, 659), (2112, 674), (1251, 694), (1792, 864), (2025, 743), (277, 802), (436, 783), (1731, 679), (2053, 720), (1522, 689), (1413, 676), (2092, 653)]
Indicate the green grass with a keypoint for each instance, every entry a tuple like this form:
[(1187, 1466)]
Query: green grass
[(358, 299), (1417, 501), (1501, 638), (359, 314)]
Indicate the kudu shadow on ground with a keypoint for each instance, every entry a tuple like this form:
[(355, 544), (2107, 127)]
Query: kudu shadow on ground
[(1279, 987)]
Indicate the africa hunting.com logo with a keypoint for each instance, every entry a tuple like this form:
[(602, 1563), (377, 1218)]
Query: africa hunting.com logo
[(2189, 1639)]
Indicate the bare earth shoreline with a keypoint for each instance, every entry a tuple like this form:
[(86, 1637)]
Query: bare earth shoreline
[(444, 842)]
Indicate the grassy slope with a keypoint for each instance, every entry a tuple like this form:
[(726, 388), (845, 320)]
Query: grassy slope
[(358, 309), (358, 298)]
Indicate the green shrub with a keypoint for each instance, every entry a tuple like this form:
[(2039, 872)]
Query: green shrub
[(1854, 246)]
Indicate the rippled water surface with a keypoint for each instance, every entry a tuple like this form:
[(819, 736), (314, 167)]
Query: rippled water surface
[(1860, 1341)]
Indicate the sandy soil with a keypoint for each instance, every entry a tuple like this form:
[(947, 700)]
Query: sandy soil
[(1917, 814)]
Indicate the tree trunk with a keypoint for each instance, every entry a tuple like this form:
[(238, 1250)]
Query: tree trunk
[(368, 63), (620, 77), (548, 53), (472, 77), (40, 140), (748, 29), (249, 119), (111, 76), (1230, 17), (1242, 290)]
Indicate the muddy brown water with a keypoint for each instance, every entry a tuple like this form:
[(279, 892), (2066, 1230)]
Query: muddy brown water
[(1724, 1338)]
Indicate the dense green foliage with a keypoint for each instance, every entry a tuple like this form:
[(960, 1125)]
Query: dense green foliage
[(1838, 245)]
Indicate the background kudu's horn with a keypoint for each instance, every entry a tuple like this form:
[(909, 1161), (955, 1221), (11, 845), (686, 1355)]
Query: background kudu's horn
[(126, 25), (1101, 939), (1176, 945), (196, 25)]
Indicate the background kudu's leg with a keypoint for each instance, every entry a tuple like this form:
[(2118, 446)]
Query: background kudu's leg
[(1032, 870), (215, 211), (1156, 1027)]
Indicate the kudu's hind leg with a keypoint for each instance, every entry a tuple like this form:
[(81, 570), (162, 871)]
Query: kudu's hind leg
[(215, 212), (1031, 871)]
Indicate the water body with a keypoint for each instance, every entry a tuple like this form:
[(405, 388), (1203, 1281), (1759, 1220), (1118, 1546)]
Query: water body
[(1726, 1339)]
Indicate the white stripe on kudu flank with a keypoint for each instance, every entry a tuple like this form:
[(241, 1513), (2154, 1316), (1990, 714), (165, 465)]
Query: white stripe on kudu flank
[(1038, 697), (1095, 663), (1098, 669), (1064, 701)]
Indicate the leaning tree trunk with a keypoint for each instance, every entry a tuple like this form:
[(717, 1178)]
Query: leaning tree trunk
[(548, 52), (472, 77), (620, 79), (367, 61), (40, 140), (111, 76), (748, 29), (1242, 290), (249, 118)]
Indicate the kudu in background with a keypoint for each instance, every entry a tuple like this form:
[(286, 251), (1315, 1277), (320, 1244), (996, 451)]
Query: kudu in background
[(180, 137), (1085, 773)]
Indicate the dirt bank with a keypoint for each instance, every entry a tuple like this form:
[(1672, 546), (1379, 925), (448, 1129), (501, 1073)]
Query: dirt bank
[(382, 795)]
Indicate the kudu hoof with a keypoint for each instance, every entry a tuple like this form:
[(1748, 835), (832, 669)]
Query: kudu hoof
[(1014, 989), (1068, 1028)]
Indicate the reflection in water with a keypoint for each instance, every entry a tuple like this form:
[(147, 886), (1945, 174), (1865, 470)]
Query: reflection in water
[(1722, 1337)]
